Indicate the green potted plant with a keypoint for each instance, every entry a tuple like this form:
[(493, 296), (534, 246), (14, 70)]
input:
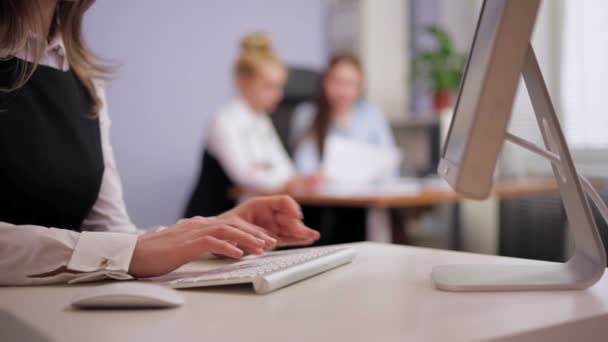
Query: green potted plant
[(442, 66)]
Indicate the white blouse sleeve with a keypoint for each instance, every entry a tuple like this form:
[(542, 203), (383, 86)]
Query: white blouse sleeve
[(225, 142), (102, 250), (109, 213), (29, 251)]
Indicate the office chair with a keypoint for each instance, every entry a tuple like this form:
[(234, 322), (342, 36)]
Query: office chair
[(302, 85)]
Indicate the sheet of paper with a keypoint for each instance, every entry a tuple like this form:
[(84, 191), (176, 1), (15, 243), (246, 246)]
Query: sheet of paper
[(397, 186), (348, 161)]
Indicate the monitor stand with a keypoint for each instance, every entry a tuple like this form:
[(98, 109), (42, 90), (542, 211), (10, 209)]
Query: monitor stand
[(587, 264)]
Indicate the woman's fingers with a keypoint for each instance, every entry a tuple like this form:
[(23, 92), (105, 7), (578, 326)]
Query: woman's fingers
[(216, 246), (278, 204), (202, 223), (287, 205), (245, 241), (254, 230), (290, 241), (295, 228), (239, 223)]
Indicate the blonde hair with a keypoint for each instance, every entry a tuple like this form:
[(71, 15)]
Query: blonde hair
[(22, 29), (256, 50)]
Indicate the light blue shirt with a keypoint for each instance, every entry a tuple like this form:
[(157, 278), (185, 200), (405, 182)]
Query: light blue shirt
[(367, 124)]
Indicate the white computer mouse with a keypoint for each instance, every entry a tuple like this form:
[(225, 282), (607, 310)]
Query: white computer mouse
[(128, 294)]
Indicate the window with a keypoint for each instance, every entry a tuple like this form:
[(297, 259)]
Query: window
[(584, 74)]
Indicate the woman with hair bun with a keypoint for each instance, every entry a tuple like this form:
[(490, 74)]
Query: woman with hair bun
[(243, 148)]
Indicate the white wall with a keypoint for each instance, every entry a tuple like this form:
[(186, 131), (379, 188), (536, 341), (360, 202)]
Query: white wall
[(176, 60)]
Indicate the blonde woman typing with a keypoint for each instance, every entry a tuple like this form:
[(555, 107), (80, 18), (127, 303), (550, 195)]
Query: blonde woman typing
[(243, 148), (62, 215)]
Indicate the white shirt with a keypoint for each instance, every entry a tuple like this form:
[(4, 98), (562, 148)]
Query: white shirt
[(105, 246), (247, 146)]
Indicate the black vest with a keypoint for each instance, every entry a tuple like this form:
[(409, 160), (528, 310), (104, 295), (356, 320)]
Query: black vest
[(51, 162)]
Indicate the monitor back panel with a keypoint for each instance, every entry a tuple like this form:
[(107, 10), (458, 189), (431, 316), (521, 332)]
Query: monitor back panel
[(486, 95)]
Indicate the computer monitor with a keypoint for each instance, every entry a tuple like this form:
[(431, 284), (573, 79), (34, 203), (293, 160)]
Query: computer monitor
[(500, 53), (487, 91)]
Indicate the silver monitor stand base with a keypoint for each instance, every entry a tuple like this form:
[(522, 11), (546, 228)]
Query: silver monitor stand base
[(588, 262)]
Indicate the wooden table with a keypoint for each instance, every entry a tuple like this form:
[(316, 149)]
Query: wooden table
[(428, 196), (385, 295), (415, 203)]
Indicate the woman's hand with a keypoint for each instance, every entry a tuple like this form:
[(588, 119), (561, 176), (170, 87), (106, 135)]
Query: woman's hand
[(277, 216), (158, 253), (258, 224)]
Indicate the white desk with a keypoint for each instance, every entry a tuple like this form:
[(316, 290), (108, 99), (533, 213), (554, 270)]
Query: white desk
[(385, 295)]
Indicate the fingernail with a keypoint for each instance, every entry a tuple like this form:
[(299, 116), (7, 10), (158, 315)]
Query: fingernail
[(260, 241)]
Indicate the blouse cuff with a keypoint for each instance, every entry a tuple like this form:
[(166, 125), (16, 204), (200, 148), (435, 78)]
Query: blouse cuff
[(98, 276), (102, 254)]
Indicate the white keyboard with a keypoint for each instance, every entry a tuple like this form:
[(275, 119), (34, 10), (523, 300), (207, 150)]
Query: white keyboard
[(271, 271)]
